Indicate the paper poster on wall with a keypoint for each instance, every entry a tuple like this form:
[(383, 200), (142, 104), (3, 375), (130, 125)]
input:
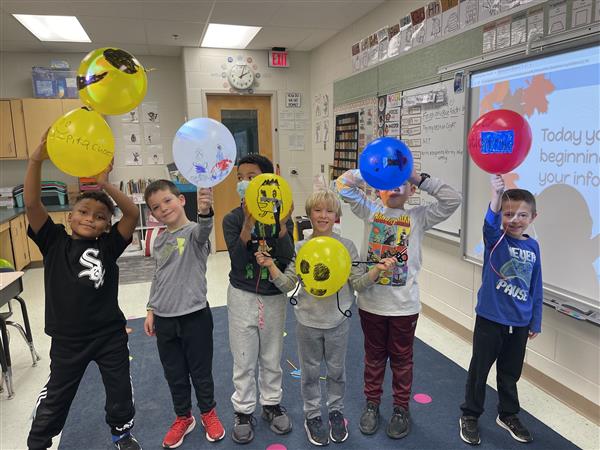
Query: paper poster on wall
[(300, 115), (133, 156), (300, 125), (468, 12), (433, 21), (383, 43), (364, 53), (318, 138), (535, 22), (503, 33), (488, 9), (405, 33), (450, 16), (356, 57), (151, 133), (581, 13), (394, 40), (373, 50), (293, 100), (296, 142), (557, 18), (132, 134), (130, 117), (489, 38), (155, 155), (518, 30), (286, 120), (150, 112), (325, 130)]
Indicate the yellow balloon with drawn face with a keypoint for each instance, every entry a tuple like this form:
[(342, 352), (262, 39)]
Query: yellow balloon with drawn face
[(265, 194), (111, 81), (81, 143), (323, 266)]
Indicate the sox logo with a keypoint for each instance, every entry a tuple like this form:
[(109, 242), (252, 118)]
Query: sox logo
[(95, 271)]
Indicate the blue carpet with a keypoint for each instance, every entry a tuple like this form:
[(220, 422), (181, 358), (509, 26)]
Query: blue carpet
[(434, 425)]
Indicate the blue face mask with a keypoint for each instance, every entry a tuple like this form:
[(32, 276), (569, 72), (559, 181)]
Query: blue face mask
[(241, 188)]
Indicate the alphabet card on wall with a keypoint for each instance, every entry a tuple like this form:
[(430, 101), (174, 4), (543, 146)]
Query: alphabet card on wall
[(151, 133), (150, 112)]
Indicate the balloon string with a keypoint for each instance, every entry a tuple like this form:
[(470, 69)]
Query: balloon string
[(346, 313)]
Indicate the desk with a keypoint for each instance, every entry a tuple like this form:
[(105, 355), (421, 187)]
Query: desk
[(11, 286)]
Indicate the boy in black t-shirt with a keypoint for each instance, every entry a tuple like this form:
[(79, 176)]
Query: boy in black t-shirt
[(81, 279)]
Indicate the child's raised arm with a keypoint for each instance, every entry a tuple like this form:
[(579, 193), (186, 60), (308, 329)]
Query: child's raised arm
[(131, 213), (497, 183), (35, 209)]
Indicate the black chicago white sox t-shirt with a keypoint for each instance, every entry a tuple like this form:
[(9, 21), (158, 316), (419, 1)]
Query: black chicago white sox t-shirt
[(81, 280)]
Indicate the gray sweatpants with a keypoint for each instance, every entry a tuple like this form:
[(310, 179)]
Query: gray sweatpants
[(316, 345), (250, 344)]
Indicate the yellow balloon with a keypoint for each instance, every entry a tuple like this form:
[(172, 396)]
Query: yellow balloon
[(266, 192), (323, 266), (111, 81), (81, 143)]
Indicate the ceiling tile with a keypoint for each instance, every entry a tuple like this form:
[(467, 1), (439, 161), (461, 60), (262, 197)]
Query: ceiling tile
[(270, 37), (316, 38), (95, 8), (164, 50), (101, 29), (14, 31), (161, 33), (21, 46), (190, 10), (328, 15), (256, 13)]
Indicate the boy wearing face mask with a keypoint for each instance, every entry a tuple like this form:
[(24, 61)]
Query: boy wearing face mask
[(256, 310)]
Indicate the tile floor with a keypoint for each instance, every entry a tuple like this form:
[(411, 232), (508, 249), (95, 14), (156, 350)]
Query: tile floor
[(15, 413)]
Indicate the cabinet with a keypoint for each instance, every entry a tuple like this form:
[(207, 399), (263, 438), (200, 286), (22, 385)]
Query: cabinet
[(146, 222), (18, 233), (12, 137), (346, 144), (57, 217), (6, 251)]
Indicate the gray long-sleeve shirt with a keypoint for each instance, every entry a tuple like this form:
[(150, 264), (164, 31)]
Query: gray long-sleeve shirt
[(323, 312), (179, 283)]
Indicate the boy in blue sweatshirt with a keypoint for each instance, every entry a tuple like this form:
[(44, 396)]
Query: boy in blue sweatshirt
[(509, 310)]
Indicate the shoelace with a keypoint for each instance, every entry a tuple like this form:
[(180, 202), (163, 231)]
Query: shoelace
[(243, 419), (336, 418), (315, 421), (181, 424), (514, 423), (211, 419), (470, 423), (277, 410)]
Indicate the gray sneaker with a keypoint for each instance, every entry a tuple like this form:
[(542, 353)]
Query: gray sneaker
[(316, 431), (279, 421), (399, 424), (369, 420), (243, 428)]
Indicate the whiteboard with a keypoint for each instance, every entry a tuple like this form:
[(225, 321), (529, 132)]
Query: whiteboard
[(559, 95), (434, 131)]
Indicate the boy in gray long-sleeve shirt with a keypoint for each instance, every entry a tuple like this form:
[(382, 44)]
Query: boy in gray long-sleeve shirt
[(178, 312), (322, 329)]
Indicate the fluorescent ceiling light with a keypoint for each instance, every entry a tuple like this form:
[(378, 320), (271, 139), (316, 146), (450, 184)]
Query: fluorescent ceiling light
[(228, 36), (54, 28)]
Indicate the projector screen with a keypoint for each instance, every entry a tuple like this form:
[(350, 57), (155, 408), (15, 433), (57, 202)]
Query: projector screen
[(559, 95)]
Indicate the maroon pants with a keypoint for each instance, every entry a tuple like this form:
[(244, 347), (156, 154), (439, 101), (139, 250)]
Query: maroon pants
[(388, 337)]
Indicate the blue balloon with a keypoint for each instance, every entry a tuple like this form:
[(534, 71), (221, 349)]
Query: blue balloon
[(386, 163)]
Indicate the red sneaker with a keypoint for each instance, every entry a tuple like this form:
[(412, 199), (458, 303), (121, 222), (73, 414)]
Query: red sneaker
[(212, 425), (178, 430)]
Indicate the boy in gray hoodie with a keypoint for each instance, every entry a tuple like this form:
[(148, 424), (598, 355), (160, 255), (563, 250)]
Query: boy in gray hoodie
[(322, 327)]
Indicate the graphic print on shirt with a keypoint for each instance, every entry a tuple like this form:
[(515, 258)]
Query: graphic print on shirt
[(94, 271), (519, 267), (389, 237), (177, 244)]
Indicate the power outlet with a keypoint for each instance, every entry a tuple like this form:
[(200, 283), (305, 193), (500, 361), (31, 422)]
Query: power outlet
[(293, 171)]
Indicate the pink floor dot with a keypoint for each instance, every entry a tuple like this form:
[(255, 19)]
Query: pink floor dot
[(276, 447), (422, 398)]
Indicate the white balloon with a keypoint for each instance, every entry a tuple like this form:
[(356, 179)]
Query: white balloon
[(204, 151)]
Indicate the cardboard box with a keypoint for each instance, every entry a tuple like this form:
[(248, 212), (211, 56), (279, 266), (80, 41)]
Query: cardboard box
[(51, 83)]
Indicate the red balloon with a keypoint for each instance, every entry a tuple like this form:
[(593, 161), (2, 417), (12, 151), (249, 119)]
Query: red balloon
[(499, 141)]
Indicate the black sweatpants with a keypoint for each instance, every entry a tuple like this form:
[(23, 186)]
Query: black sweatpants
[(68, 361), (185, 346), (493, 341)]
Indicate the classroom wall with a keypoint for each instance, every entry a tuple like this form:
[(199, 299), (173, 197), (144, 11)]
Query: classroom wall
[(567, 351), (165, 86), (204, 69)]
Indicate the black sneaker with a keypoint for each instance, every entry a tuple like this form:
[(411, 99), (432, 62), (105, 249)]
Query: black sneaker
[(469, 431), (243, 428), (128, 442), (279, 421), (369, 420), (316, 432), (516, 429), (399, 424), (338, 431)]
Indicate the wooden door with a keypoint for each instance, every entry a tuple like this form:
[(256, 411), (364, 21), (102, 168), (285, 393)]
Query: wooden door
[(7, 136), (18, 123), (220, 106), (38, 115)]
